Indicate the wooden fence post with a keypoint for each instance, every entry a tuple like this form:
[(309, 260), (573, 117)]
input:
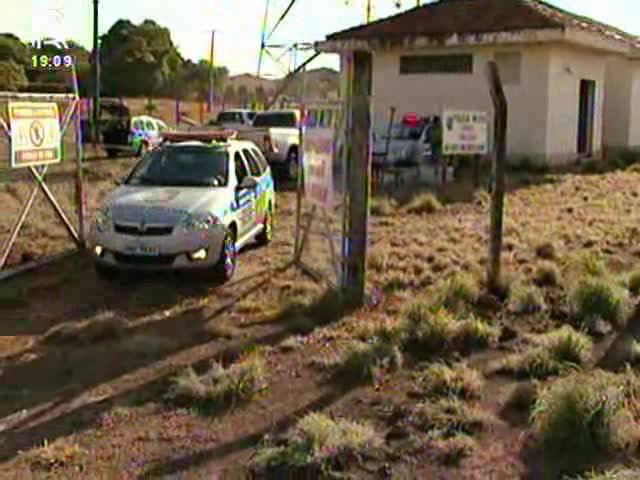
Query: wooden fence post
[(358, 175), (497, 195)]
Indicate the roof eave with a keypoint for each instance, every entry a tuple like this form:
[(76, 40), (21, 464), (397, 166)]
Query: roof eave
[(448, 40), (598, 42)]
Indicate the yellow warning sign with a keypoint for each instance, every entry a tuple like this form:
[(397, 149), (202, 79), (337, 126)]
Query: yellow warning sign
[(35, 134)]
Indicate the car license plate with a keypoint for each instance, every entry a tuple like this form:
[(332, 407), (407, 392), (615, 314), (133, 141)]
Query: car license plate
[(148, 250)]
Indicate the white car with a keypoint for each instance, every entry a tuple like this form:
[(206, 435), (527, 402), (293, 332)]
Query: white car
[(190, 203)]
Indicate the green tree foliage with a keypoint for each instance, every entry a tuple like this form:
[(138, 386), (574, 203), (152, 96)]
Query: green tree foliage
[(138, 60), (12, 76)]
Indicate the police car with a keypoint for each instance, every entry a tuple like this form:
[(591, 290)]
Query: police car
[(145, 133), (191, 203)]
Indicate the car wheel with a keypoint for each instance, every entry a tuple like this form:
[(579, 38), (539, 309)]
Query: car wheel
[(266, 234), (226, 266), (105, 272), (292, 164)]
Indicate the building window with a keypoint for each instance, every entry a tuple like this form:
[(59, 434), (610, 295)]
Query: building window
[(436, 64), (509, 66)]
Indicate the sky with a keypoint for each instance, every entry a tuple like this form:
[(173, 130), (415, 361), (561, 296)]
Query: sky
[(237, 23)]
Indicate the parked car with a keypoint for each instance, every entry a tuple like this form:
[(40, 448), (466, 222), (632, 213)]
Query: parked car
[(276, 132), (145, 133), (190, 203), (233, 118)]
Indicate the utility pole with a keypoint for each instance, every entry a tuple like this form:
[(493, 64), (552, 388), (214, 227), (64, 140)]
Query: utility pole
[(368, 11), (263, 36), (96, 73), (211, 88)]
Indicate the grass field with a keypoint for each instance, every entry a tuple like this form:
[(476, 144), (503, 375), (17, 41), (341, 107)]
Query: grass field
[(161, 375)]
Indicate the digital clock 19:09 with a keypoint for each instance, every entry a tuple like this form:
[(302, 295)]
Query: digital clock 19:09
[(51, 61)]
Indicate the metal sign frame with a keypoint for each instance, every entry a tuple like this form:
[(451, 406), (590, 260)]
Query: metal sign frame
[(38, 173)]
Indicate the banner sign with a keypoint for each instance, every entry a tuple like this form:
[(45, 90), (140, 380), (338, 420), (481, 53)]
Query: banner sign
[(465, 133), (35, 134), (318, 165)]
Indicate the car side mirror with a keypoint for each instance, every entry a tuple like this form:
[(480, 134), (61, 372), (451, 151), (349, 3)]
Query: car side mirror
[(248, 183)]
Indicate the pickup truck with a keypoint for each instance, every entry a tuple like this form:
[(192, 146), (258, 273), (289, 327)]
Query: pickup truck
[(276, 132), (409, 145), (233, 118)]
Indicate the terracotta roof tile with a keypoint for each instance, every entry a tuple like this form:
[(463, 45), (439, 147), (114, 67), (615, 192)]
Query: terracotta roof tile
[(448, 17)]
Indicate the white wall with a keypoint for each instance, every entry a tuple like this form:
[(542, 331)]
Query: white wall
[(568, 66), (634, 115), (617, 103), (431, 93)]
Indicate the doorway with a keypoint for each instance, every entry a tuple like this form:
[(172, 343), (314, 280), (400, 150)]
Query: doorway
[(586, 115)]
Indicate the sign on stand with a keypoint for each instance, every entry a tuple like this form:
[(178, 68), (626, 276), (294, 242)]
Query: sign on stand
[(318, 166), (465, 133), (35, 133)]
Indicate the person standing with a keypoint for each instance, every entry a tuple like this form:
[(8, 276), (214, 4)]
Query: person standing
[(436, 146)]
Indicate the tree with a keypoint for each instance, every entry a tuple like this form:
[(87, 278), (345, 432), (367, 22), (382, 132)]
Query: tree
[(12, 76), (138, 60)]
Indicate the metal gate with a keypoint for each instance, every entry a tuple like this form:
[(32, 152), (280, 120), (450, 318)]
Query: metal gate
[(41, 185)]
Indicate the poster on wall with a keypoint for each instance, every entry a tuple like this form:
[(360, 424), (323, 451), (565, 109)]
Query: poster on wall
[(465, 132), (318, 165)]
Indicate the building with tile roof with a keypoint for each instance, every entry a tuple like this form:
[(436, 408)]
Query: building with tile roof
[(572, 83)]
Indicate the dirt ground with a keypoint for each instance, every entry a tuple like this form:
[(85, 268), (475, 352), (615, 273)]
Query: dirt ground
[(85, 365)]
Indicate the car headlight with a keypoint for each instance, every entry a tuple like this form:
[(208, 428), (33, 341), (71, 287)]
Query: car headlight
[(196, 223), (103, 219)]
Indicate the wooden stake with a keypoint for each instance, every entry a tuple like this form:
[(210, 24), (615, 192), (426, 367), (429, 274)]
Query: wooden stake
[(497, 196), (358, 175)]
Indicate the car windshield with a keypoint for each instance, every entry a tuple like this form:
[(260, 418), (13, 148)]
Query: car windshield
[(189, 166), (280, 119)]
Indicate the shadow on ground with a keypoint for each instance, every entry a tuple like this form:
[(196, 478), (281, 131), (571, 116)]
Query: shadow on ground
[(65, 410)]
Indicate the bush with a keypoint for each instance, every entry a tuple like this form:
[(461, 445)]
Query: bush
[(459, 381), (319, 440), (547, 275), (425, 203), (219, 386), (580, 417), (555, 353), (598, 298), (525, 299), (473, 333)]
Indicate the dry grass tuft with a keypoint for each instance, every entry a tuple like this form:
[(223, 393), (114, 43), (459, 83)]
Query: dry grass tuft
[(633, 282), (53, 456), (220, 387), (103, 327), (599, 298), (458, 292), (458, 381), (546, 250), (429, 329), (555, 353), (358, 361), (547, 274), (579, 418), (424, 204), (378, 260), (451, 451), (318, 440), (447, 418), (525, 299), (620, 473), (383, 207)]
